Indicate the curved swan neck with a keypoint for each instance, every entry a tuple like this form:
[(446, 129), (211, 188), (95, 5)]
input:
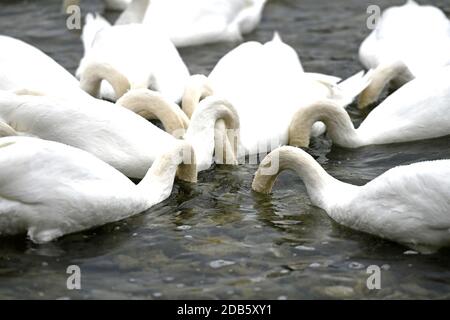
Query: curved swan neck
[(339, 125), (152, 105), (157, 183), (380, 78), (317, 181), (197, 88), (201, 132), (6, 130), (93, 75)]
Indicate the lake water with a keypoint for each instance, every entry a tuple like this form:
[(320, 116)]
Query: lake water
[(218, 239)]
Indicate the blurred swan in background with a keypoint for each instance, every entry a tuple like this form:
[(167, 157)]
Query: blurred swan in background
[(49, 189), (196, 22), (141, 53), (407, 204), (266, 84), (25, 68), (114, 134), (408, 41), (418, 110), (118, 5)]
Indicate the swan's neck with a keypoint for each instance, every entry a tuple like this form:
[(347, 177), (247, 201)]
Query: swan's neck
[(322, 188), (95, 73), (379, 79), (202, 128), (158, 182), (152, 105), (339, 125), (197, 88)]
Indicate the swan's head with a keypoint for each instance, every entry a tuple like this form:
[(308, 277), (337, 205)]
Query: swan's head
[(152, 105), (94, 73), (197, 87)]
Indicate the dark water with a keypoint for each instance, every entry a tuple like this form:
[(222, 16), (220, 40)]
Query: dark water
[(169, 251)]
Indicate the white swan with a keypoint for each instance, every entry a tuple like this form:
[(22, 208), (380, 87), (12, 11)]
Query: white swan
[(266, 84), (114, 134), (25, 68), (196, 22), (418, 110), (408, 41), (50, 189), (141, 53), (408, 204)]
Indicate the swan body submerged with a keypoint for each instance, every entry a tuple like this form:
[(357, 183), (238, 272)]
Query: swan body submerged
[(266, 84), (408, 204), (141, 53), (408, 41), (50, 189), (419, 110)]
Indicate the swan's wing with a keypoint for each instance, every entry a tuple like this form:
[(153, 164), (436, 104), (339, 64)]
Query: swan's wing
[(48, 189), (409, 204), (24, 67), (418, 110)]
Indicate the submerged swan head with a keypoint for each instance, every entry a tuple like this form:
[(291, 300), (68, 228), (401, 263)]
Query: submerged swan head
[(179, 160), (197, 88), (203, 129), (152, 105), (339, 125), (94, 73)]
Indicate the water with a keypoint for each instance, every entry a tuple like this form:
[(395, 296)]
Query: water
[(217, 239)]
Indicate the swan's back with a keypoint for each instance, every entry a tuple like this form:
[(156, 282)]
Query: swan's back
[(417, 35), (197, 22), (114, 134), (26, 67), (418, 110), (404, 203), (147, 58), (48, 189), (257, 78)]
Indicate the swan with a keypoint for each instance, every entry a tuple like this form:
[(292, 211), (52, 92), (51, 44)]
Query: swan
[(197, 22), (27, 69), (408, 41), (408, 204), (49, 189), (144, 55), (114, 134), (419, 110), (266, 84)]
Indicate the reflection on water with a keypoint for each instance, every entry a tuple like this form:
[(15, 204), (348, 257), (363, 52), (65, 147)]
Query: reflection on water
[(218, 239)]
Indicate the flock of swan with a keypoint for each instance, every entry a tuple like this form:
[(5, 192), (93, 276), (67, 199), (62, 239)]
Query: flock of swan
[(70, 144)]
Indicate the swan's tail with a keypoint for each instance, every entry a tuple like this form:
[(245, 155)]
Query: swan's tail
[(350, 88), (94, 23)]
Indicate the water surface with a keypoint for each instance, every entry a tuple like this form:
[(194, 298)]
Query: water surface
[(275, 247)]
